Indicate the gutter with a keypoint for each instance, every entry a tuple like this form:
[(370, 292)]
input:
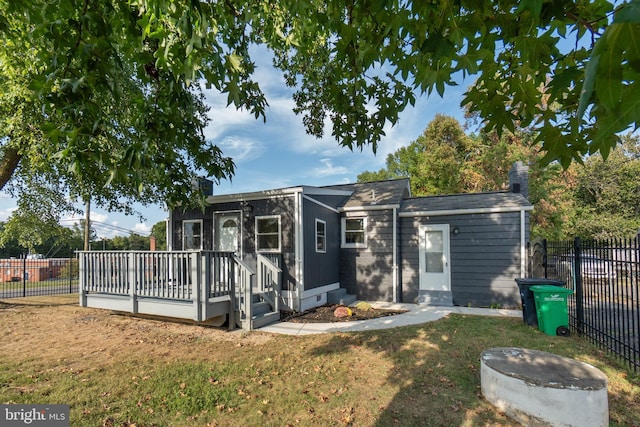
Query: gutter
[(465, 211)]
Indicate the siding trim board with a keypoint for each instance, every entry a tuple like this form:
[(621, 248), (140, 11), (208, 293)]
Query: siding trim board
[(298, 249), (368, 208), (466, 211)]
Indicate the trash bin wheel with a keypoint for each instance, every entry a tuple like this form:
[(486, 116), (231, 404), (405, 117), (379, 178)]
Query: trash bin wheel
[(563, 331)]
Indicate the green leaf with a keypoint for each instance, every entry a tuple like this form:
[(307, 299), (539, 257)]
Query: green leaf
[(628, 13), (234, 62), (534, 6), (588, 86), (630, 106)]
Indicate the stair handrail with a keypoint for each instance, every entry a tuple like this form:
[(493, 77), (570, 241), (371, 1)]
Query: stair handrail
[(269, 278), (243, 294)]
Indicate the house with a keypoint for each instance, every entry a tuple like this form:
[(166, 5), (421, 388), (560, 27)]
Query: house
[(372, 241), (31, 269)]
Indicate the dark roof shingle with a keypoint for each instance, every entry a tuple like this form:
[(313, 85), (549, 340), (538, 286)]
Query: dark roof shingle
[(391, 192), (475, 201)]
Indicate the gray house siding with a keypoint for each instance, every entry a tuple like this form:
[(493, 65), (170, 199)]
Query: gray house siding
[(368, 272), (282, 206), (320, 269), (193, 214), (285, 259), (484, 257)]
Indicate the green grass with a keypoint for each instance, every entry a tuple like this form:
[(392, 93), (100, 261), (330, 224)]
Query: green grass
[(51, 283), (148, 373)]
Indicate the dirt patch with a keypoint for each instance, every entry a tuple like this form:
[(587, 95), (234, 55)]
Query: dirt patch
[(325, 314), (59, 330)]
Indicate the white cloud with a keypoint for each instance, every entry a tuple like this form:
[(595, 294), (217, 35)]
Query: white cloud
[(142, 228), (6, 212), (328, 169), (241, 149)]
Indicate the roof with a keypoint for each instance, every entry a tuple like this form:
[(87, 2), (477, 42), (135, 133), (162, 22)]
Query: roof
[(378, 193), (480, 202)]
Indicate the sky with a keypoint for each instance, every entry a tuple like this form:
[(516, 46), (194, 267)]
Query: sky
[(278, 153)]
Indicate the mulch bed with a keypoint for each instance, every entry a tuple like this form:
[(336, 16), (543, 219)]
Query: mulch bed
[(324, 314)]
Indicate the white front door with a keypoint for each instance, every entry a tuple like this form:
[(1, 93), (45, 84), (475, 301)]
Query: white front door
[(227, 232), (434, 258)]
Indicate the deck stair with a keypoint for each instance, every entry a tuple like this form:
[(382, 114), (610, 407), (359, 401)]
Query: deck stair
[(340, 296), (264, 297), (262, 314)]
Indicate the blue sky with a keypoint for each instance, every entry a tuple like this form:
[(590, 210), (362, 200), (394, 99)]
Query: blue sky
[(279, 153)]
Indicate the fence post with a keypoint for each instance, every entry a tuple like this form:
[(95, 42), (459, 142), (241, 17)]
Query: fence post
[(577, 277), (544, 258), (24, 276), (70, 270)]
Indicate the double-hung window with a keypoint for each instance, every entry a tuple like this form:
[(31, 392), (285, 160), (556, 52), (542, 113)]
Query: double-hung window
[(321, 236), (268, 233), (354, 232), (192, 235)]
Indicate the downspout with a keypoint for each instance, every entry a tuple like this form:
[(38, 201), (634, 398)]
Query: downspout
[(523, 244), (395, 255)]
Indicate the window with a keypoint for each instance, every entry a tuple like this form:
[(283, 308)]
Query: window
[(192, 235), (354, 232), (268, 233), (321, 236)]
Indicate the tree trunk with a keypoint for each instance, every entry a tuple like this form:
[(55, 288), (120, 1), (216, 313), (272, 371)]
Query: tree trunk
[(8, 164)]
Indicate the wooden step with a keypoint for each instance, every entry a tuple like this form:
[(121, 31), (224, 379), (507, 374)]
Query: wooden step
[(264, 319)]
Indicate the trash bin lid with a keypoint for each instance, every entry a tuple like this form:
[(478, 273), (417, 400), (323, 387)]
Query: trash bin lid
[(548, 288), (539, 281)]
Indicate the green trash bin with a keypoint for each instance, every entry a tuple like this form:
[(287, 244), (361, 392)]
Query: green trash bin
[(551, 308)]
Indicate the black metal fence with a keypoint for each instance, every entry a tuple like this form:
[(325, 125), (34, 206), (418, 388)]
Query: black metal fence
[(605, 278), (24, 277)]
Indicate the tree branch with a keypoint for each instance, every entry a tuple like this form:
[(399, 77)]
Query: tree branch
[(8, 163)]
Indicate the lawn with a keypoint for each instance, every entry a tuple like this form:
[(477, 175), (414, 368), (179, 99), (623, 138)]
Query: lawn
[(116, 370)]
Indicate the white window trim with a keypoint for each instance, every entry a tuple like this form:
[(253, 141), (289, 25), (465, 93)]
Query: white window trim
[(324, 236), (279, 249), (344, 232), (192, 221)]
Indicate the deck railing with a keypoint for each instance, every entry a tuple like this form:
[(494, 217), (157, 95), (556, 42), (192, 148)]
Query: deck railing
[(156, 274), (163, 282)]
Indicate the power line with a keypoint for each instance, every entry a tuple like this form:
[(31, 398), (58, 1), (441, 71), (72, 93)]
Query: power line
[(104, 225)]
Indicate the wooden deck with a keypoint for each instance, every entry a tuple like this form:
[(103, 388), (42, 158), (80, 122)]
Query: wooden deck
[(197, 285)]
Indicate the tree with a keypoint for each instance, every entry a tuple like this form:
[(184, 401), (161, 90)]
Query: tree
[(102, 96), (445, 160), (607, 193), (159, 231), (60, 242)]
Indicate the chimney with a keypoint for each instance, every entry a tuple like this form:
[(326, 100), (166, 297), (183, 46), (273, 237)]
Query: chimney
[(519, 179)]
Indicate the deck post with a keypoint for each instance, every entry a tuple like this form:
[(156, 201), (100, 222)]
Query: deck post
[(205, 259), (83, 279), (132, 270), (195, 279), (233, 272)]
